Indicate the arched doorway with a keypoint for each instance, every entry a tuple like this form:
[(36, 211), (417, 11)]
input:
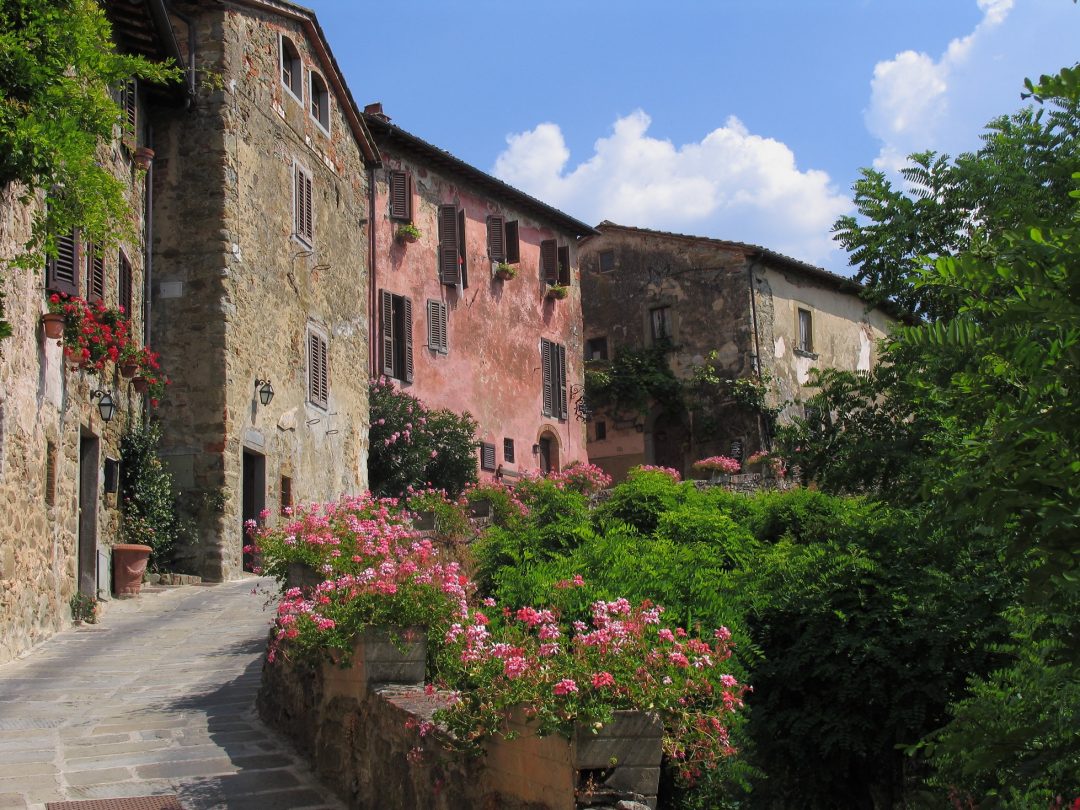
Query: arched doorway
[(549, 452), (667, 439)]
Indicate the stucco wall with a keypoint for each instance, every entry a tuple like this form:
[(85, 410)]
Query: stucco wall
[(493, 367), (42, 401), (236, 292)]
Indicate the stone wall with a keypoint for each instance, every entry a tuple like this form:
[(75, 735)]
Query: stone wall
[(492, 368), (47, 415), (237, 293)]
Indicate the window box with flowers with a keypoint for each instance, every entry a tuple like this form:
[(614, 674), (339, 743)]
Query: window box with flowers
[(505, 272), (557, 292), (718, 467), (407, 233)]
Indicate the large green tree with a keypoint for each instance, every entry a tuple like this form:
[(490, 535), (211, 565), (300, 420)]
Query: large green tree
[(58, 71)]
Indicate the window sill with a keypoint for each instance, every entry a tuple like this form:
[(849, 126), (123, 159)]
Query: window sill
[(804, 353), (289, 92)]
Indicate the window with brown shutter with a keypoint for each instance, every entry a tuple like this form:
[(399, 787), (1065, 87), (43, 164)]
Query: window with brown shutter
[(549, 261), (320, 101), (496, 236), (124, 284), (513, 249), (508, 450), (553, 368), (397, 342), (130, 105), (292, 70), (449, 255), (400, 195), (302, 205), (564, 265), (95, 274), (436, 314), (318, 371), (62, 272), (463, 257), (487, 456)]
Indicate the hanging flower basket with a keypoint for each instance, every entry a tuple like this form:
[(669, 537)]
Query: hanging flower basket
[(407, 233), (53, 322), (505, 272), (129, 369), (557, 292)]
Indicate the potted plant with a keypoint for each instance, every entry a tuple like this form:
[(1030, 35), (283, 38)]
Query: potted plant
[(84, 608), (143, 157), (54, 320), (717, 466), (557, 292), (505, 272), (407, 233)]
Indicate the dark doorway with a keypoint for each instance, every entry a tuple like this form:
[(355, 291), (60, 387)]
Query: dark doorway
[(254, 498), (549, 454), (670, 441), (89, 456)]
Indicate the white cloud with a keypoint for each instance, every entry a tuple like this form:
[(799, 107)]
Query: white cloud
[(731, 185), (918, 102)]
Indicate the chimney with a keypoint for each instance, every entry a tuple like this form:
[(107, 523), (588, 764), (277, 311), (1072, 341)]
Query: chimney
[(375, 111)]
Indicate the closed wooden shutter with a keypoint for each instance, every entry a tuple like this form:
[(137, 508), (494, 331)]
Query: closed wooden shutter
[(549, 261), (387, 321), (513, 249), (400, 195), (496, 239), (463, 249), (564, 265), (487, 456), (95, 274), (305, 226), (437, 340), (449, 267), (560, 408), (62, 273), (408, 342), (130, 113), (318, 371), (545, 365), (124, 284)]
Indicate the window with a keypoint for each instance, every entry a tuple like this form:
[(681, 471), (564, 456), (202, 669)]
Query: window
[(503, 245), (453, 266), (660, 318), (124, 284), (487, 456), (62, 273), (564, 266), (436, 330), (318, 371), (508, 451), (596, 349), (600, 428), (292, 70), (607, 261), (400, 195), (320, 101), (95, 273), (553, 365), (129, 104), (806, 331), (397, 342), (302, 206), (286, 495)]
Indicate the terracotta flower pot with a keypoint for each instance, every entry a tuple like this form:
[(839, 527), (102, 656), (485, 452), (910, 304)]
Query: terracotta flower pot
[(140, 384), (143, 157), (504, 275), (53, 322), (129, 369), (129, 565)]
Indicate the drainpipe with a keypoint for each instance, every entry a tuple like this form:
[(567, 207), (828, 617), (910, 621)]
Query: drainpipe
[(148, 239), (755, 262), (372, 295)]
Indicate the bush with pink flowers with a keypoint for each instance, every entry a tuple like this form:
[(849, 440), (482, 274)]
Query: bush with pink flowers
[(718, 464)]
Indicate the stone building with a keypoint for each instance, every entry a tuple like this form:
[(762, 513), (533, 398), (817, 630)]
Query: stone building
[(454, 333), (58, 456), (260, 262), (744, 310)]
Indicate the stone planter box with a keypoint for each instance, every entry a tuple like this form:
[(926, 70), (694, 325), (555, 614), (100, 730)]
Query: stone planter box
[(424, 522), (619, 760), (379, 657), (480, 508), (303, 576)]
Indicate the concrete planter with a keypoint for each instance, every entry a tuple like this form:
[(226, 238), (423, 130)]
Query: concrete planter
[(617, 761), (379, 657), (129, 564)]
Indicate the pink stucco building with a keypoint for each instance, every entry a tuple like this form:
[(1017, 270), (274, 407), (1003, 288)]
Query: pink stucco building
[(454, 333)]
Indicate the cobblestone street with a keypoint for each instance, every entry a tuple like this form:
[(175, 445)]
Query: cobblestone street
[(156, 699)]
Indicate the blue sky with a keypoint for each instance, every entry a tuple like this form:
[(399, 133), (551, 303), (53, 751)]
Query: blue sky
[(745, 120)]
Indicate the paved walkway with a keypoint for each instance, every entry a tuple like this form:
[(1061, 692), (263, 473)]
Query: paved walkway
[(156, 699)]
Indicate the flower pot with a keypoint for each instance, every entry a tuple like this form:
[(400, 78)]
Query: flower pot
[(140, 384), (143, 157), (129, 369), (129, 564), (379, 656), (53, 322), (557, 293), (504, 275)]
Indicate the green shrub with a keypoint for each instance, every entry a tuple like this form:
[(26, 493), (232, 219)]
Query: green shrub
[(804, 516), (641, 499), (729, 543), (146, 494)]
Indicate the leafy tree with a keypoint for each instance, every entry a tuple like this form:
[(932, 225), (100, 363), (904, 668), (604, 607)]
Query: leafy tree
[(58, 66)]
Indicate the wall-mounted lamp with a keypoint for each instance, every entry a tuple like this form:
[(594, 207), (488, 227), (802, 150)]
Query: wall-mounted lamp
[(536, 449), (106, 406), (265, 391)]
